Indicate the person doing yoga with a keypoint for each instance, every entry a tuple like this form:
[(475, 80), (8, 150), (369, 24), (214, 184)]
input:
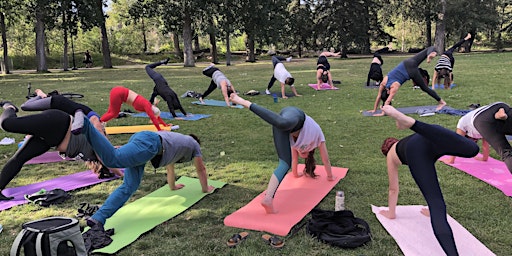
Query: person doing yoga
[(323, 69), (407, 69), (120, 94), (219, 80), (163, 90), (375, 72), (48, 129), (445, 64), (420, 152), (491, 124), (162, 148), (295, 134), (282, 75)]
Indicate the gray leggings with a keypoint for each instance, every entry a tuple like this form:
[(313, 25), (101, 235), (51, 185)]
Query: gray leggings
[(412, 64), (494, 131), (289, 120)]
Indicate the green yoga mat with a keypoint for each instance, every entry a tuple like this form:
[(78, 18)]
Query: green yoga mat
[(142, 215)]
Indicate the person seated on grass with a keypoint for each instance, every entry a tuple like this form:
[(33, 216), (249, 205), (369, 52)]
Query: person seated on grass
[(282, 75), (295, 135), (491, 124), (375, 72), (120, 95), (407, 70), (445, 64), (323, 69), (420, 152), (163, 90), (162, 148), (48, 129), (219, 80)]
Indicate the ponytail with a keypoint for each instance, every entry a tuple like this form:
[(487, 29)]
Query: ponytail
[(310, 163)]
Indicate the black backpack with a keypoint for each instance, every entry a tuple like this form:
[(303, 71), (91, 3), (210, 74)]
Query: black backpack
[(338, 228), (47, 198)]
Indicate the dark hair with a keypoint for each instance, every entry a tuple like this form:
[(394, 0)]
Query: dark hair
[(387, 144), (310, 164), (444, 73), (325, 76), (230, 91), (289, 81), (195, 138)]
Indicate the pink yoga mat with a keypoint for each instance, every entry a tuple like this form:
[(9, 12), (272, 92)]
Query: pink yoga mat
[(413, 233), (294, 198), (492, 171), (324, 86), (67, 183), (48, 157)]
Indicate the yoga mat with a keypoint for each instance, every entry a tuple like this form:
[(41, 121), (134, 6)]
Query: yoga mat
[(216, 103), (294, 198), (167, 115), (288, 94), (441, 86), (323, 87), (48, 157), (413, 233), (492, 171), (410, 110), (137, 128), (67, 183), (142, 215)]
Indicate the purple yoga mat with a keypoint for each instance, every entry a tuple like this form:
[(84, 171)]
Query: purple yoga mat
[(48, 157), (67, 183)]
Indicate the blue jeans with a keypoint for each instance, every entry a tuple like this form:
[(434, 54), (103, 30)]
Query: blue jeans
[(133, 156)]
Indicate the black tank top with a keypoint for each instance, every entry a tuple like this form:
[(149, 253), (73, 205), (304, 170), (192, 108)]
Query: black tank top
[(401, 148)]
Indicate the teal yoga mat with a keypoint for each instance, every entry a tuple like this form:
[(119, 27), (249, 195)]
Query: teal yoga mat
[(142, 215), (216, 103)]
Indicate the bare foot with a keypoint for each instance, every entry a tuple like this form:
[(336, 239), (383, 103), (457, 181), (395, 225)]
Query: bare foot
[(431, 56), (501, 115), (239, 100), (285, 97), (402, 121), (441, 105), (467, 37), (269, 206)]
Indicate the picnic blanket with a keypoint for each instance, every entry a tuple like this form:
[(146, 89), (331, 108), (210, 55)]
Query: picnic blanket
[(294, 198)]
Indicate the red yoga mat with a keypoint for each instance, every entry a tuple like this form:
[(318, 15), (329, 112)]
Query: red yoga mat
[(294, 198)]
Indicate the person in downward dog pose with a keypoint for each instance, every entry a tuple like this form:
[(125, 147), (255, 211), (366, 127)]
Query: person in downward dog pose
[(323, 69), (295, 134), (219, 80), (282, 75), (445, 64), (420, 151)]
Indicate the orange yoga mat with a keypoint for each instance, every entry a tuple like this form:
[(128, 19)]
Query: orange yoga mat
[(294, 198), (137, 128)]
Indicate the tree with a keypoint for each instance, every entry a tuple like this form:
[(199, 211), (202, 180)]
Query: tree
[(440, 27), (6, 7)]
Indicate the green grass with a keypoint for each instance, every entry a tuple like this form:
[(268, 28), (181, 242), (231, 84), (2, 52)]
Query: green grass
[(353, 142)]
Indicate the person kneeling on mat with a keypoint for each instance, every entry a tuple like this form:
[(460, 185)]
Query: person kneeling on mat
[(162, 148)]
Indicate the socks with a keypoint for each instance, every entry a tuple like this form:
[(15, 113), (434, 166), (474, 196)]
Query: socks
[(78, 122)]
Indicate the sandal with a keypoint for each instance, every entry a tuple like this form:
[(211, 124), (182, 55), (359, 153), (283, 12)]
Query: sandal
[(236, 239), (86, 210), (273, 241)]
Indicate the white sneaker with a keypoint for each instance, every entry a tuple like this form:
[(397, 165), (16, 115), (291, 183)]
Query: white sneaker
[(289, 59), (267, 92)]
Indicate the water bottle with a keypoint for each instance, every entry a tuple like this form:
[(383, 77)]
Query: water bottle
[(340, 201), (275, 98)]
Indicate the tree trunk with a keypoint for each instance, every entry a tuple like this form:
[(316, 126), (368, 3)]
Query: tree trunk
[(228, 50), (4, 64), (197, 47), (144, 38), (176, 43), (65, 60), (213, 50), (188, 53), (440, 28), (40, 43), (250, 49), (105, 47), (428, 29)]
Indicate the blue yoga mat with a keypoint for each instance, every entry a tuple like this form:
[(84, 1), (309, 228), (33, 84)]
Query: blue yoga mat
[(413, 110), (167, 115), (216, 103), (441, 86)]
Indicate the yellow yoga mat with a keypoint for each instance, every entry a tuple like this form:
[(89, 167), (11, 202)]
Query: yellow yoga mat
[(137, 128)]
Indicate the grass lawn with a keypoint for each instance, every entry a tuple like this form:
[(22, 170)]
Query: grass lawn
[(238, 149)]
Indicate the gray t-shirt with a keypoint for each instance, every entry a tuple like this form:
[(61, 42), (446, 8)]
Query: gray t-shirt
[(177, 148), (79, 149), (218, 77)]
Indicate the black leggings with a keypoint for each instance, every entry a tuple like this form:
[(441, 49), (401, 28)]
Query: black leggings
[(162, 88), (209, 73), (450, 51), (412, 64), (495, 131), (47, 128), (422, 151), (54, 102)]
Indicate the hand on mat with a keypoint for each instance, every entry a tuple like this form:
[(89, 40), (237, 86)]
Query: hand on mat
[(425, 211), (273, 241), (298, 175), (236, 239), (388, 214), (178, 186)]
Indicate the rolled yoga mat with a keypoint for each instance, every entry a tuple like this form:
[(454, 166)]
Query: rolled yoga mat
[(137, 128)]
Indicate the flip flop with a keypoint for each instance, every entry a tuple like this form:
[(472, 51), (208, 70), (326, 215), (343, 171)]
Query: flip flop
[(236, 239), (273, 241)]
